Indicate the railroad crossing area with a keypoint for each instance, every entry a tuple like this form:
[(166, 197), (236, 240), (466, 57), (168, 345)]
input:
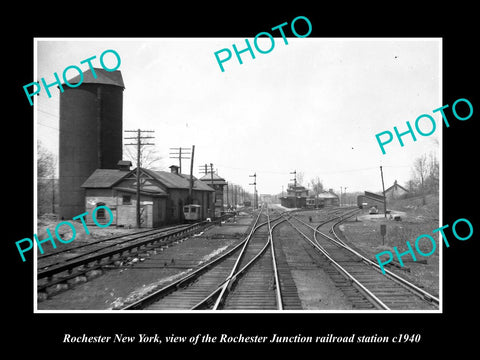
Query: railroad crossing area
[(267, 259)]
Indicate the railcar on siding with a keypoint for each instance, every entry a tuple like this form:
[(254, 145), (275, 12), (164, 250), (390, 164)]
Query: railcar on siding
[(191, 212)]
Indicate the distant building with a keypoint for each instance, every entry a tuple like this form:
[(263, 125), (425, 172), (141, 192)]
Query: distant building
[(325, 198), (296, 197), (162, 196), (395, 191), (266, 198), (370, 199), (329, 198), (218, 183)]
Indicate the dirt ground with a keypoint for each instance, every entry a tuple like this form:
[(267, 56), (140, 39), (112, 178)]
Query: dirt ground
[(118, 286), (315, 288), (121, 285), (363, 233)]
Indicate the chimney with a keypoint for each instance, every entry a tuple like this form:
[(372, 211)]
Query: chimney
[(124, 165), (174, 169), (330, 191)]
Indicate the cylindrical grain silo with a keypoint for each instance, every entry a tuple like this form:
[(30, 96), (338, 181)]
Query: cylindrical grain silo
[(90, 133)]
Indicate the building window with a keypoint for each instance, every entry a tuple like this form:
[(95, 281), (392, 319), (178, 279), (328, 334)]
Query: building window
[(127, 200), (100, 212)]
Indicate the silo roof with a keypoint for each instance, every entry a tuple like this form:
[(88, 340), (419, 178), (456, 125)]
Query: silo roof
[(103, 77)]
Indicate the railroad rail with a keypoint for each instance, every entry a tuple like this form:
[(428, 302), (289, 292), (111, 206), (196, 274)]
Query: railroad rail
[(112, 250), (254, 281), (72, 253), (251, 275), (384, 292)]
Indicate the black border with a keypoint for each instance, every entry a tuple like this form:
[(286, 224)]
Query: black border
[(45, 331)]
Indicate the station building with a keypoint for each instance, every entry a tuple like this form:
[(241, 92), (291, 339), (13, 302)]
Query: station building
[(325, 198), (162, 195), (395, 191), (218, 183), (296, 197)]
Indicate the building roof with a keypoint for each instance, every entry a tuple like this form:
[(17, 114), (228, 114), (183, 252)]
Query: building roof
[(176, 181), (394, 187), (373, 196), (156, 193), (218, 180), (327, 195), (107, 178), (103, 77), (104, 178), (125, 162)]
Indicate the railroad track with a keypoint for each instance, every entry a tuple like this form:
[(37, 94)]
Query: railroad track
[(253, 275), (360, 278), (71, 253), (264, 281), (81, 261)]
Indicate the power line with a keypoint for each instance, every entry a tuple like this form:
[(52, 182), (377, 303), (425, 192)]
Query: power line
[(51, 127), (48, 113)]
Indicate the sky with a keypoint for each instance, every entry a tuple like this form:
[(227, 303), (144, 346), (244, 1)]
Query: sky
[(312, 106)]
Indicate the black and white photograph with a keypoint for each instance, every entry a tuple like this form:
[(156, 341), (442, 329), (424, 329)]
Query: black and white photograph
[(214, 182), (263, 187)]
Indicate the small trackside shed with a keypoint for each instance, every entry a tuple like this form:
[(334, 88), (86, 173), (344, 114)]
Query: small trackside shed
[(370, 199)]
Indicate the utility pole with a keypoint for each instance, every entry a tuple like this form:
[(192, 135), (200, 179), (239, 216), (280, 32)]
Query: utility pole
[(190, 190), (255, 205), (139, 145), (235, 188), (384, 198), (204, 169), (177, 154), (53, 195), (294, 173), (228, 202), (215, 192)]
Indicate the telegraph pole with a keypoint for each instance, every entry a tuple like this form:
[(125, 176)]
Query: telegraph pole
[(190, 190), (215, 192), (294, 173), (228, 202), (255, 205), (204, 169), (384, 198), (235, 189), (139, 145), (177, 154)]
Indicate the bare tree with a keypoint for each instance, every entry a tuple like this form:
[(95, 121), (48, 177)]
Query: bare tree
[(420, 171), (300, 177), (425, 174), (46, 162), (46, 182), (149, 156), (433, 176), (316, 185)]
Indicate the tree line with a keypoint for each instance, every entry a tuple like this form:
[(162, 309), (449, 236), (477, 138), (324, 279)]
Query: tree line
[(425, 177)]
